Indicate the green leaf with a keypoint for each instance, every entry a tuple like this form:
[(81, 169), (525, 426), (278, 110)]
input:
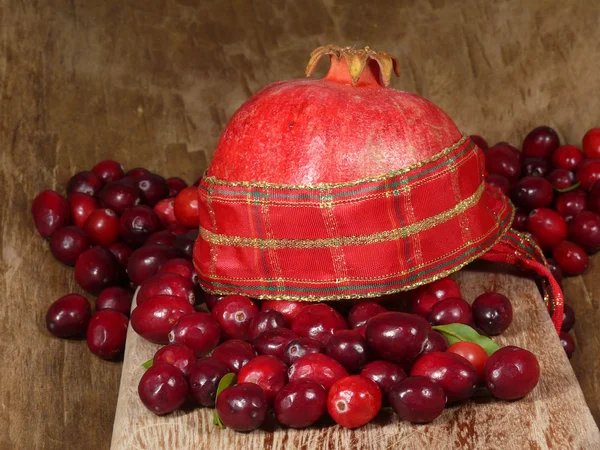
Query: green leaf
[(147, 364), (457, 332), (570, 188), (227, 381)]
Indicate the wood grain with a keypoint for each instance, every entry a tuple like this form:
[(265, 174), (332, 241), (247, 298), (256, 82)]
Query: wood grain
[(153, 82)]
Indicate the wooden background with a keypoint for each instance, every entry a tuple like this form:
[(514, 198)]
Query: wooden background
[(152, 83)]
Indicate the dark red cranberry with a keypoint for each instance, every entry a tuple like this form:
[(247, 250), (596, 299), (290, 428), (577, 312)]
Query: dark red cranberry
[(265, 321), (106, 334), (178, 355), (120, 196), (384, 374), (318, 321), (568, 318), (85, 183), (555, 269), (137, 172), (591, 143), (287, 308), (567, 157), (268, 371), (360, 313), (532, 192), (512, 148), (499, 182), (177, 229), (436, 342), (541, 142), (242, 407), (571, 258), (115, 297), (212, 300), (69, 316), (492, 313), (166, 284), (163, 388), (594, 198), (176, 185), (81, 206), (297, 348), (452, 372), (163, 237), (300, 404), (561, 178), (451, 310), (423, 298), (479, 142), (137, 224), (319, 368), (536, 167), (349, 349), (165, 211), (129, 181), (122, 252), (588, 173), (184, 243), (154, 319), (181, 267), (145, 262), (154, 188), (235, 354), (397, 337), (568, 204), (502, 161), (67, 243), (102, 226), (186, 207), (198, 331), (520, 220), (584, 230), (96, 269), (418, 400), (568, 343), (548, 226), (235, 313), (50, 212), (204, 379), (109, 170), (353, 401), (274, 342), (511, 373)]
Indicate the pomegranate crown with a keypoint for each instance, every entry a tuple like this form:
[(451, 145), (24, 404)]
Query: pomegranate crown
[(356, 60)]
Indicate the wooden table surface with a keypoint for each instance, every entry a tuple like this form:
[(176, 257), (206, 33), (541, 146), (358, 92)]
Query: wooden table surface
[(153, 82)]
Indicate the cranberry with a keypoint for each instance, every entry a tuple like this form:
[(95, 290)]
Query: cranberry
[(109, 170), (359, 314), (164, 237), (204, 380), (85, 183), (436, 342), (178, 355), (186, 207), (584, 230), (69, 316), (165, 211), (300, 404), (66, 244), (145, 262), (520, 220), (287, 308), (102, 226), (423, 299), (265, 321), (184, 243), (540, 143), (212, 300), (536, 167), (121, 252), (353, 401), (154, 319), (199, 331), (451, 310), (511, 373), (242, 407), (473, 353), (532, 192), (154, 188), (591, 143), (568, 344), (555, 269), (479, 141), (106, 334), (166, 284), (588, 173), (349, 349), (318, 321), (492, 313), (567, 157), (115, 297), (274, 342), (568, 318), (268, 372), (163, 388), (177, 229), (297, 348), (418, 400), (452, 372), (548, 226), (501, 160), (235, 354), (384, 374), (129, 181), (96, 269), (81, 206), (499, 182), (397, 337), (568, 204), (176, 185), (594, 198), (235, 313), (120, 196), (137, 172), (137, 224), (561, 178), (50, 212), (571, 258), (317, 367)]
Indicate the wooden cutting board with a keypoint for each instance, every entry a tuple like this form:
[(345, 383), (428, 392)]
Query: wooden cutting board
[(553, 416)]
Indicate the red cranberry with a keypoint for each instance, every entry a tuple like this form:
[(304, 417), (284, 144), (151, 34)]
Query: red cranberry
[(242, 407), (176, 185), (137, 172), (204, 380), (520, 220), (360, 313), (129, 181), (109, 170), (154, 319), (265, 321), (567, 157), (166, 284), (274, 342), (397, 337), (423, 298), (436, 342), (472, 352), (536, 167), (178, 355), (50, 212), (594, 198), (121, 252), (384, 374), (69, 316), (318, 321), (287, 308), (588, 173), (568, 318), (452, 372), (499, 182), (165, 211), (548, 226), (568, 343), (418, 400), (120, 196), (96, 269), (354, 401), (532, 192), (511, 373), (177, 229), (297, 348), (492, 313), (199, 331), (317, 367), (85, 183), (186, 207), (555, 269), (571, 258), (115, 297), (106, 334), (145, 262), (501, 160), (235, 313), (137, 224), (268, 372), (184, 243), (479, 142), (568, 204), (235, 354), (451, 310), (81, 206), (561, 178), (540, 143), (154, 188), (163, 388), (584, 230), (102, 226), (591, 143), (164, 237), (300, 404), (181, 267), (66, 244), (349, 349)]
